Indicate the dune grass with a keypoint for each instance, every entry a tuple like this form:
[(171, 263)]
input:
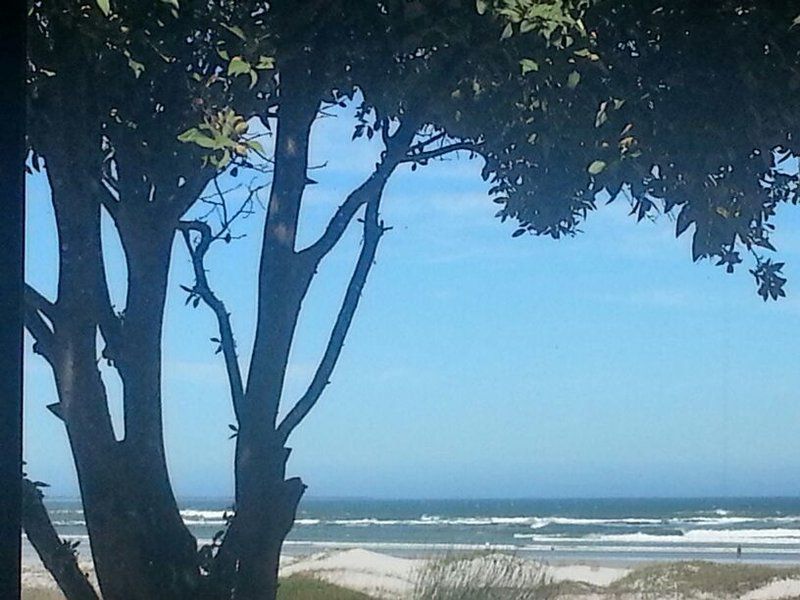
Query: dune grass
[(41, 594), (483, 576), (299, 587), (495, 577), (693, 578)]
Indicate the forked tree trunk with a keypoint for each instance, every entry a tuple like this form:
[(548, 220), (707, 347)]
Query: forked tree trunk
[(141, 548), (266, 502)]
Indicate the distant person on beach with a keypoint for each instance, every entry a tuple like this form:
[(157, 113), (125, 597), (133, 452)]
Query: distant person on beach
[(739, 551)]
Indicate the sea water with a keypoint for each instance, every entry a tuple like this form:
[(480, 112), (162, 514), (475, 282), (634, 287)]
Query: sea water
[(607, 530)]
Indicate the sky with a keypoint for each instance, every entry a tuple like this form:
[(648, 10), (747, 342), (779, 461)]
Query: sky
[(477, 366)]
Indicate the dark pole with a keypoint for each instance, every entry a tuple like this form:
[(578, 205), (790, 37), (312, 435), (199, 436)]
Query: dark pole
[(12, 185)]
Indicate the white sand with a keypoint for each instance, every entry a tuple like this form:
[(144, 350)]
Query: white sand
[(783, 588), (390, 577), (594, 575), (376, 574)]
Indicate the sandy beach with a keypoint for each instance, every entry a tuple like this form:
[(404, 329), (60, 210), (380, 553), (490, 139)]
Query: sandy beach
[(386, 577)]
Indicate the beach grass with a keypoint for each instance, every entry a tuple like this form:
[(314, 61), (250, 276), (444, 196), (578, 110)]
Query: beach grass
[(483, 576), (298, 587), (691, 578), (41, 594)]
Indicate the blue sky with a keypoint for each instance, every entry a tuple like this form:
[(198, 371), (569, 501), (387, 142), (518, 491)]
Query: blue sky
[(479, 365)]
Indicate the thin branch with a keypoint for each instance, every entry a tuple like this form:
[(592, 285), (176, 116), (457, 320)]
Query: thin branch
[(421, 145), (203, 291), (373, 230), (396, 148), (221, 205), (429, 154), (342, 218)]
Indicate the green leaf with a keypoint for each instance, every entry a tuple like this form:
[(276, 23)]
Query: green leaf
[(136, 67), (193, 136), (602, 115), (256, 146), (238, 66), (173, 3), (481, 6), (573, 80), (586, 53), (265, 62), (508, 31), (237, 31), (189, 135), (253, 78), (105, 6), (528, 65), (596, 167), (795, 22)]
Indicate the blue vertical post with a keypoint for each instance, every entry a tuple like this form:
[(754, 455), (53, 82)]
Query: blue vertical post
[(12, 197)]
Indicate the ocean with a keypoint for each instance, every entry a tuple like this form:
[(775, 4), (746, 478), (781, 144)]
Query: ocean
[(607, 530)]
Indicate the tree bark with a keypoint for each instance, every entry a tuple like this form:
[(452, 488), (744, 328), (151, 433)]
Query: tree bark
[(173, 548)]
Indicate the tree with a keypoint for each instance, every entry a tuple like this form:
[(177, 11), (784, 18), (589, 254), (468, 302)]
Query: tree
[(561, 99)]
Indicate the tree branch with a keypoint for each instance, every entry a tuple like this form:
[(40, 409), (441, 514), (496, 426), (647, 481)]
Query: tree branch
[(203, 291), (373, 230), (37, 305), (429, 154), (35, 299), (396, 148), (343, 216), (421, 145), (57, 555)]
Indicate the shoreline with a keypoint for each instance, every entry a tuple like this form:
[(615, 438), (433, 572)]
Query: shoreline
[(419, 551)]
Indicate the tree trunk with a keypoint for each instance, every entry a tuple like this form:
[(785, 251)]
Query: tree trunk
[(173, 549), (265, 519), (266, 502), (140, 547)]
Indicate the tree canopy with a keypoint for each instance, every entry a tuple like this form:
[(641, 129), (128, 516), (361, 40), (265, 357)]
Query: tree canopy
[(682, 109)]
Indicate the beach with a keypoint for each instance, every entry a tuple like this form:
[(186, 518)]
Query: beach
[(386, 577), (581, 549)]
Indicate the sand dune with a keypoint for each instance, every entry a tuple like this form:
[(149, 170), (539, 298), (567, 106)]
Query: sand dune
[(389, 577)]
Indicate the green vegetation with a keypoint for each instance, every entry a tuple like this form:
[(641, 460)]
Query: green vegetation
[(483, 576), (687, 579), (41, 594), (299, 587)]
